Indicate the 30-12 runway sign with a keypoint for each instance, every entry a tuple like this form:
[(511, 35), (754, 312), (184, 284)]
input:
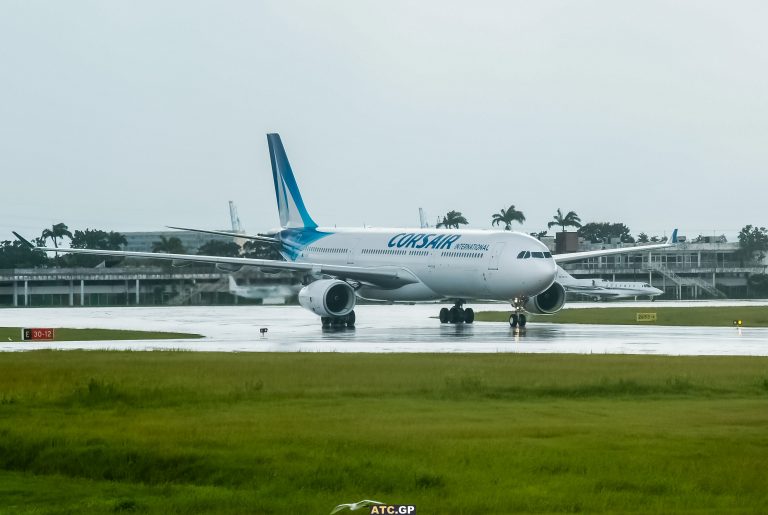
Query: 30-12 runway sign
[(37, 334)]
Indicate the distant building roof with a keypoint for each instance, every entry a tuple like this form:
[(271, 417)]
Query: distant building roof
[(192, 241)]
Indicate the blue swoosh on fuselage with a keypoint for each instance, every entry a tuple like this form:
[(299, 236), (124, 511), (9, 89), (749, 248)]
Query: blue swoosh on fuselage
[(296, 240)]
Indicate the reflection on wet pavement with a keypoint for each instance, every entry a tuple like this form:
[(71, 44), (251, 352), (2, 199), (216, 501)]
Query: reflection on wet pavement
[(379, 329)]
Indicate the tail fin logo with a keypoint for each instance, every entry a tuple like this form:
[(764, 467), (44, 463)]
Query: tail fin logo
[(293, 213)]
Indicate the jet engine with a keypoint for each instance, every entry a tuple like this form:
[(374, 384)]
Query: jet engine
[(328, 298), (547, 303), (225, 267)]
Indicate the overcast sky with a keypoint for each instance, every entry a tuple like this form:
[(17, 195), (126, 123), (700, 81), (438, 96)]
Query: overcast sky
[(136, 115)]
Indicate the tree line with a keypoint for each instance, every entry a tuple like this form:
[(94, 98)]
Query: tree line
[(753, 241), (15, 254), (595, 232)]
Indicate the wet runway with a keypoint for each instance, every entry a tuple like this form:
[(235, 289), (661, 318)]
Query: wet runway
[(379, 329)]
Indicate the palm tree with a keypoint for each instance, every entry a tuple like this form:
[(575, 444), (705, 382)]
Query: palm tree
[(569, 220), (452, 220), (507, 216), (55, 233), (170, 245)]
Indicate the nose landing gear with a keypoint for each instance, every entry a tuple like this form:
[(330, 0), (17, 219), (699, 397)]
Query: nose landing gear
[(457, 315), (518, 318)]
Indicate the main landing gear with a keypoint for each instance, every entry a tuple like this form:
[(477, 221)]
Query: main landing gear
[(457, 315), (518, 318), (347, 320)]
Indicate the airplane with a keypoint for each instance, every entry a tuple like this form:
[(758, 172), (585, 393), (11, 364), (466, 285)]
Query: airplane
[(396, 264), (600, 289), (261, 291)]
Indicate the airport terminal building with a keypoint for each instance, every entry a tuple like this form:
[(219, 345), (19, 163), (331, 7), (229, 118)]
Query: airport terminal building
[(132, 286), (708, 268)]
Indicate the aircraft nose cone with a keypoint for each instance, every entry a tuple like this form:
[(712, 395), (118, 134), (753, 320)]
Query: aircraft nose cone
[(546, 272)]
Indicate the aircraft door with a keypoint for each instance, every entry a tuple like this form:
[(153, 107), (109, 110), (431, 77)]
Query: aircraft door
[(351, 251), (493, 260)]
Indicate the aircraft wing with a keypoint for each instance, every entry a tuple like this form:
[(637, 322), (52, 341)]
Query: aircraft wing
[(578, 256), (385, 277), (265, 239)]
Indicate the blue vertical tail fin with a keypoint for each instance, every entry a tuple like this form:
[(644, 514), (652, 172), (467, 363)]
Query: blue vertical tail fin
[(290, 205)]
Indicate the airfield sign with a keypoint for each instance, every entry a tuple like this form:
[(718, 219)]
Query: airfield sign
[(38, 334)]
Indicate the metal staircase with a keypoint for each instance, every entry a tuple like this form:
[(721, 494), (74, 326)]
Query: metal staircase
[(707, 287), (686, 281)]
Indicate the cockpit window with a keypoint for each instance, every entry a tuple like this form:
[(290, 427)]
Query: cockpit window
[(526, 254)]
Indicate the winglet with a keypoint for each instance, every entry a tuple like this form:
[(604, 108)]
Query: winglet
[(23, 240), (673, 239)]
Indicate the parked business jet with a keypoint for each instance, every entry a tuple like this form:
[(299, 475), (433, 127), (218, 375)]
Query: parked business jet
[(265, 291), (600, 289), (397, 264)]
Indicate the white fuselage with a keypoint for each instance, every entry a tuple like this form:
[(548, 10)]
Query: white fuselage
[(449, 264)]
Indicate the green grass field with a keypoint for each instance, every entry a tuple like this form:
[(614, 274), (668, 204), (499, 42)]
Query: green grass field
[(13, 334), (182, 432), (751, 316)]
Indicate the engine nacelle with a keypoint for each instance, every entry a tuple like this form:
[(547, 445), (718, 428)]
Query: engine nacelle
[(225, 267), (547, 303), (328, 298)]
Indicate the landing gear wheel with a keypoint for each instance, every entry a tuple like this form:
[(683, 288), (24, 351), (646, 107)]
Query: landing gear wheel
[(513, 320), (522, 320), (351, 319), (338, 322), (457, 315), (445, 315), (469, 316), (326, 321)]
